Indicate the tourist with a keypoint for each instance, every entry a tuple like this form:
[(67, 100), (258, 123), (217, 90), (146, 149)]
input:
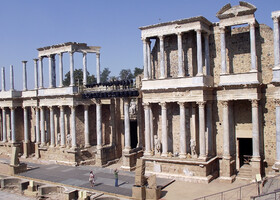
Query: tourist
[(116, 173), (91, 179)]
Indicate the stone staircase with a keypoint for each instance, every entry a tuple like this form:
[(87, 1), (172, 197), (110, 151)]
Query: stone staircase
[(245, 172), (87, 156)]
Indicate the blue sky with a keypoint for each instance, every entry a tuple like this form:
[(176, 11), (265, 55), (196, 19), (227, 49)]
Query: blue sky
[(113, 25)]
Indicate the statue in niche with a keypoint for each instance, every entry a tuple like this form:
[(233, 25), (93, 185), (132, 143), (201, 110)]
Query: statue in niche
[(68, 140), (193, 146), (58, 138), (132, 108), (157, 145)]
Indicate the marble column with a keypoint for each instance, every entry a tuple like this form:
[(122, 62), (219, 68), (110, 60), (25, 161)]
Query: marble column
[(145, 59), (127, 144), (50, 71), (253, 48), (276, 36), (35, 74), (12, 78), (13, 131), (98, 67), (183, 138), (149, 58), (164, 129), (226, 147), (3, 80), (151, 128), (207, 56), (62, 127), (147, 130), (41, 77), (87, 143), (60, 69), (52, 127), (199, 53), (73, 127), (162, 57), (71, 53), (277, 105), (24, 81), (84, 69), (209, 128), (25, 120), (37, 129), (43, 133), (4, 125), (202, 138), (180, 55), (255, 125), (99, 124), (223, 50)]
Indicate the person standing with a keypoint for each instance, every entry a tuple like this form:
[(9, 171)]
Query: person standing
[(116, 173), (91, 178)]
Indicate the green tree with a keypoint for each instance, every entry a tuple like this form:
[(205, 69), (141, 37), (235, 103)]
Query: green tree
[(104, 76), (137, 71), (78, 78), (125, 74)]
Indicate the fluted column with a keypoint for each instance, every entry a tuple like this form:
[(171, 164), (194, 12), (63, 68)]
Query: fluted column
[(255, 124), (12, 78), (223, 50), (37, 129), (62, 127), (127, 144), (13, 131), (51, 71), (73, 127), (202, 138), (180, 55), (149, 58), (277, 105), (207, 56), (43, 133), (276, 37), (25, 121), (4, 124), (52, 126), (35, 74), (3, 79), (60, 69), (164, 129), (151, 128), (24, 81), (41, 77), (98, 67), (84, 69), (226, 147), (99, 124), (209, 129), (162, 57), (253, 47), (147, 129), (87, 143), (71, 53), (199, 53), (145, 59), (183, 138)]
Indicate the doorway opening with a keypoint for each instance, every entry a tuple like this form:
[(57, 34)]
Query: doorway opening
[(245, 151), (133, 134)]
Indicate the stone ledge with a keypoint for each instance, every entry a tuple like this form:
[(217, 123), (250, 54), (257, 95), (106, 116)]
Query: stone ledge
[(180, 161)]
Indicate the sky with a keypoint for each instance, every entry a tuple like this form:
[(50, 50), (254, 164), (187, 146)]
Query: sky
[(112, 24)]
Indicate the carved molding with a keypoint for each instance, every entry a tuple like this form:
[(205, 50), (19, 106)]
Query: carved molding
[(277, 102), (255, 103)]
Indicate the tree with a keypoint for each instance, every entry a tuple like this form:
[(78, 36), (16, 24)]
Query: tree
[(104, 76), (78, 78), (137, 71), (125, 74)]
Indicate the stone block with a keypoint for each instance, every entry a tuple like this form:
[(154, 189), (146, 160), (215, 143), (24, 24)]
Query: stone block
[(14, 158), (138, 192), (153, 194), (22, 167), (37, 152), (152, 182)]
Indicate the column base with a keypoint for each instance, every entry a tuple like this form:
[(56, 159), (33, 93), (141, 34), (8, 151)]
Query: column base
[(276, 74), (228, 167), (164, 155), (147, 153), (87, 145), (183, 155), (256, 166), (37, 152)]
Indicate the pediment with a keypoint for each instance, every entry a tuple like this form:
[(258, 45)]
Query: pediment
[(228, 11)]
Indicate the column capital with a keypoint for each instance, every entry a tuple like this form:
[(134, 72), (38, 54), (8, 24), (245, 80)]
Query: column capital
[(225, 103), (179, 33), (163, 105), (35, 60), (277, 102), (71, 52), (50, 107), (12, 108), (255, 103), (146, 105), (252, 24), (72, 106), (201, 103), (181, 104), (275, 19), (198, 30), (86, 106), (41, 58), (126, 100), (161, 37), (222, 29), (97, 54), (61, 107), (24, 61), (84, 53)]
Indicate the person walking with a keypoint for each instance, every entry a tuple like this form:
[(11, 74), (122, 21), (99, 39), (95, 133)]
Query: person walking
[(116, 173), (91, 178)]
